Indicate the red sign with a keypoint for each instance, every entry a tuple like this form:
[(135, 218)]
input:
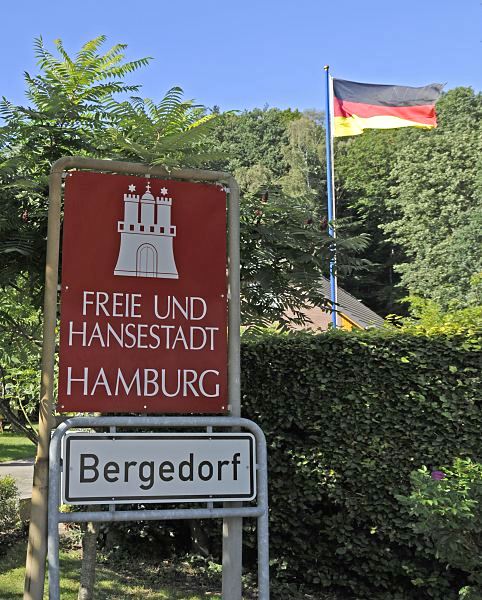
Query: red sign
[(143, 322)]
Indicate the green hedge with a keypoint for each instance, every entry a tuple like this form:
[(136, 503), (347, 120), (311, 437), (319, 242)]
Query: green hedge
[(347, 417)]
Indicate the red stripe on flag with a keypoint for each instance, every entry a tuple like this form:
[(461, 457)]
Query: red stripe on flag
[(424, 114)]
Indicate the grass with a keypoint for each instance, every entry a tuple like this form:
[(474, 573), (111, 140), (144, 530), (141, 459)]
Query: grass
[(121, 575), (113, 582), (14, 447)]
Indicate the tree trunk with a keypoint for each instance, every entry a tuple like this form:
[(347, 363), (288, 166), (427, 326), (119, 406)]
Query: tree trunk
[(199, 539), (89, 551), (7, 413), (16, 423)]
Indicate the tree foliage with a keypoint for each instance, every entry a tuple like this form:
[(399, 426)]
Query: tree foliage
[(429, 318), (418, 195), (364, 177), (283, 256), (172, 132), (437, 199), (20, 343), (255, 137), (304, 154), (277, 158)]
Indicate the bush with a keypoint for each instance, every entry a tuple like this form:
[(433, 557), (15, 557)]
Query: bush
[(447, 504), (9, 515), (348, 417), (429, 318)]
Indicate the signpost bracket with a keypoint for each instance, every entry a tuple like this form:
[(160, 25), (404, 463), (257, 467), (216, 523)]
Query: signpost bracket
[(231, 510)]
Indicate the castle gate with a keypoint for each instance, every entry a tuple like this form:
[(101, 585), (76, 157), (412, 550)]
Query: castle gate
[(146, 263)]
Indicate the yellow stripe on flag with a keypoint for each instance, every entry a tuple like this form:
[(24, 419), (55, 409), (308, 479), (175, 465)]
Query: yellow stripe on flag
[(354, 125)]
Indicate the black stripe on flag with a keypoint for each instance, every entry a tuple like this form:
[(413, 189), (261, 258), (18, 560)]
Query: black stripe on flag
[(386, 95)]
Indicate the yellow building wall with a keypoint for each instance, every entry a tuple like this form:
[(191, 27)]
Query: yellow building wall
[(346, 323)]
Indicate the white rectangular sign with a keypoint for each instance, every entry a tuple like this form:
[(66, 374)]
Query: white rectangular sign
[(125, 468)]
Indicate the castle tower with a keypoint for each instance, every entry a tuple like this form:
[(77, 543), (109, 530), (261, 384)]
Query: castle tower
[(147, 207), (164, 210), (131, 208), (146, 247)]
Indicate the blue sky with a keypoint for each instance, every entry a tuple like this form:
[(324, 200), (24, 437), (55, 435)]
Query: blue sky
[(250, 53)]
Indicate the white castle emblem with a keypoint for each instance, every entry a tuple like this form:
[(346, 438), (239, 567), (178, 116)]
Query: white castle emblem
[(146, 248)]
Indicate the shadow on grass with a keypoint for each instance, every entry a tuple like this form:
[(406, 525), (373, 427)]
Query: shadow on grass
[(110, 584)]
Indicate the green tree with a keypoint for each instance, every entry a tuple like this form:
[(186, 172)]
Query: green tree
[(437, 203), (418, 195), (20, 343), (283, 258), (255, 137), (305, 156), (364, 176), (277, 157), (173, 132), (429, 318)]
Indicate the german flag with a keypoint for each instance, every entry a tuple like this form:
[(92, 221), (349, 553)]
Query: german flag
[(360, 106)]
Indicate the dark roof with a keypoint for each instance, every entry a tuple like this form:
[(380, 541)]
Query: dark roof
[(353, 308)]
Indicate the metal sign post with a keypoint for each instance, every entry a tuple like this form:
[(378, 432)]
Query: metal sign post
[(232, 540), (260, 511)]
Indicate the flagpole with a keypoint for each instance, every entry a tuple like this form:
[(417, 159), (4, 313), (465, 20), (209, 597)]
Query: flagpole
[(330, 188)]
